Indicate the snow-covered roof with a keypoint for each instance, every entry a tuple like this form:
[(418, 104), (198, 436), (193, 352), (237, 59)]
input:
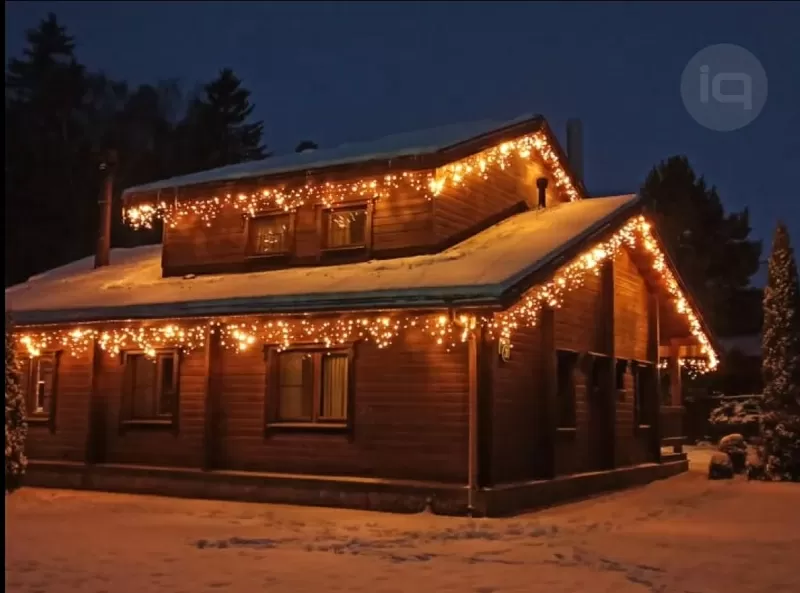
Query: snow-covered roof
[(407, 144), (479, 269)]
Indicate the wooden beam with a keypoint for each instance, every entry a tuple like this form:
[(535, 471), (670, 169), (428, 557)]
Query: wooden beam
[(675, 387), (549, 382), (213, 371), (609, 390), (653, 340), (98, 409), (487, 359)]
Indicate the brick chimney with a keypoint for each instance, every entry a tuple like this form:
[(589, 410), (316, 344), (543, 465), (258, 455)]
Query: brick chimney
[(575, 147), (102, 256)]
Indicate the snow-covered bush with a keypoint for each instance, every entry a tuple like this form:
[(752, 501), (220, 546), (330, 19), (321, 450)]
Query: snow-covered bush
[(754, 466), (720, 466), (735, 447), (16, 428), (737, 412)]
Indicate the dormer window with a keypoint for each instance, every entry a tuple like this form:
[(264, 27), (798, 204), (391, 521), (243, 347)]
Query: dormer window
[(270, 234), (347, 228)]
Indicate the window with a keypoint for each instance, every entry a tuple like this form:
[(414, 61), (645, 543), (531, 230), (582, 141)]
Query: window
[(346, 227), (643, 392), (270, 234), (311, 387), (151, 387), (566, 361), (38, 381)]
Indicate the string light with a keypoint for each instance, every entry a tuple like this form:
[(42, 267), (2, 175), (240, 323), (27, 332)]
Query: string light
[(694, 367), (114, 340), (445, 330), (289, 198)]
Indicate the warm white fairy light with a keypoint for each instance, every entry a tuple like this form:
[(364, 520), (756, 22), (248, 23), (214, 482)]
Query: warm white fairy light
[(693, 366), (114, 340), (382, 329), (289, 198)]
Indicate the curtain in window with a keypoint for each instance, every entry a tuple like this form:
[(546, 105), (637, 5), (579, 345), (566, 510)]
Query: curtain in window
[(334, 387), (143, 391)]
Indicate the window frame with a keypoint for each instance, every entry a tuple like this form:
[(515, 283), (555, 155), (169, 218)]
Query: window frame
[(324, 216), (167, 421), (46, 417), (250, 226), (317, 423)]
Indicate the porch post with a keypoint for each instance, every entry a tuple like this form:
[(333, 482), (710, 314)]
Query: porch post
[(608, 336), (676, 389), (549, 382), (210, 457), (96, 433), (654, 396)]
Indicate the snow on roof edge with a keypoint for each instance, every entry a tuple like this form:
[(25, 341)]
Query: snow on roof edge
[(419, 143)]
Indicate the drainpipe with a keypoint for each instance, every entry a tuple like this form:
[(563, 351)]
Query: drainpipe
[(102, 255)]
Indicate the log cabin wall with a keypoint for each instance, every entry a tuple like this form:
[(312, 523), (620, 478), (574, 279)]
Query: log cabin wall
[(410, 417), (517, 410), (631, 334), (65, 439), (462, 211), (578, 328), (401, 223), (181, 446)]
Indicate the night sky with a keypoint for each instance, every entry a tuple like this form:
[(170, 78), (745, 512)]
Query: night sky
[(339, 72)]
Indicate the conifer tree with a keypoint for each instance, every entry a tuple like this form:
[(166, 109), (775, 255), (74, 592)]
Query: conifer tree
[(16, 428), (780, 424)]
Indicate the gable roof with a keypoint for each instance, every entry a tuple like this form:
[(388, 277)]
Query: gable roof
[(409, 145), (479, 270)]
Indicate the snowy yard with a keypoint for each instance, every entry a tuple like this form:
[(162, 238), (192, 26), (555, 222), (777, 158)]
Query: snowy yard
[(684, 534)]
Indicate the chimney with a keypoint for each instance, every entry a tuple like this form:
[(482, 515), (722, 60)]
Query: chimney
[(575, 147), (102, 256), (541, 185)]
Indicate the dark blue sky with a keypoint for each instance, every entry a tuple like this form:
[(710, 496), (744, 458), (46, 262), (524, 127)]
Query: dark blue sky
[(340, 71)]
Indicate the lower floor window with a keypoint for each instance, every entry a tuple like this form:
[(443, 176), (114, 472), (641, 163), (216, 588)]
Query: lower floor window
[(311, 386), (151, 386), (38, 379)]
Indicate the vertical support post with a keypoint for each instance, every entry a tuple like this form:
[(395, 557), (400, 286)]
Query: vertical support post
[(487, 358), (549, 384), (608, 333), (102, 254), (654, 395), (675, 386), (472, 454), (96, 434), (211, 435)]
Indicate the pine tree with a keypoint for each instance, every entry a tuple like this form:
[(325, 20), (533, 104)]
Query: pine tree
[(711, 248), (218, 128), (780, 425), (16, 428)]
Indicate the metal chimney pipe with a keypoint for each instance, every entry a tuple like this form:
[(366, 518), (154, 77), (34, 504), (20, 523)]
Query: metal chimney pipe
[(541, 185), (575, 147), (102, 255)]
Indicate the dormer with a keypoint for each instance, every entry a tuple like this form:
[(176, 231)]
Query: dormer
[(408, 194)]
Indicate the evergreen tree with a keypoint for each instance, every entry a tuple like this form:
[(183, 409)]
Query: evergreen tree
[(780, 425), (217, 126), (711, 248), (16, 429)]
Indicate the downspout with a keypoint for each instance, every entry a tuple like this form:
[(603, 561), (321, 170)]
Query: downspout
[(472, 457)]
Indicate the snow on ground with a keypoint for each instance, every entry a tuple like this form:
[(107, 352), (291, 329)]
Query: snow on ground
[(484, 265), (684, 535)]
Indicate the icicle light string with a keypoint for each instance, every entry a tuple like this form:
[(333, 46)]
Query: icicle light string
[(445, 330), (329, 194)]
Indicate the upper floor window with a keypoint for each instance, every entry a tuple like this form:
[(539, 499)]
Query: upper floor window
[(38, 379), (269, 234), (310, 386), (346, 227), (151, 387)]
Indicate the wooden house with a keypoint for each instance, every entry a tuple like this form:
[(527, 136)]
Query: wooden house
[(442, 318)]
